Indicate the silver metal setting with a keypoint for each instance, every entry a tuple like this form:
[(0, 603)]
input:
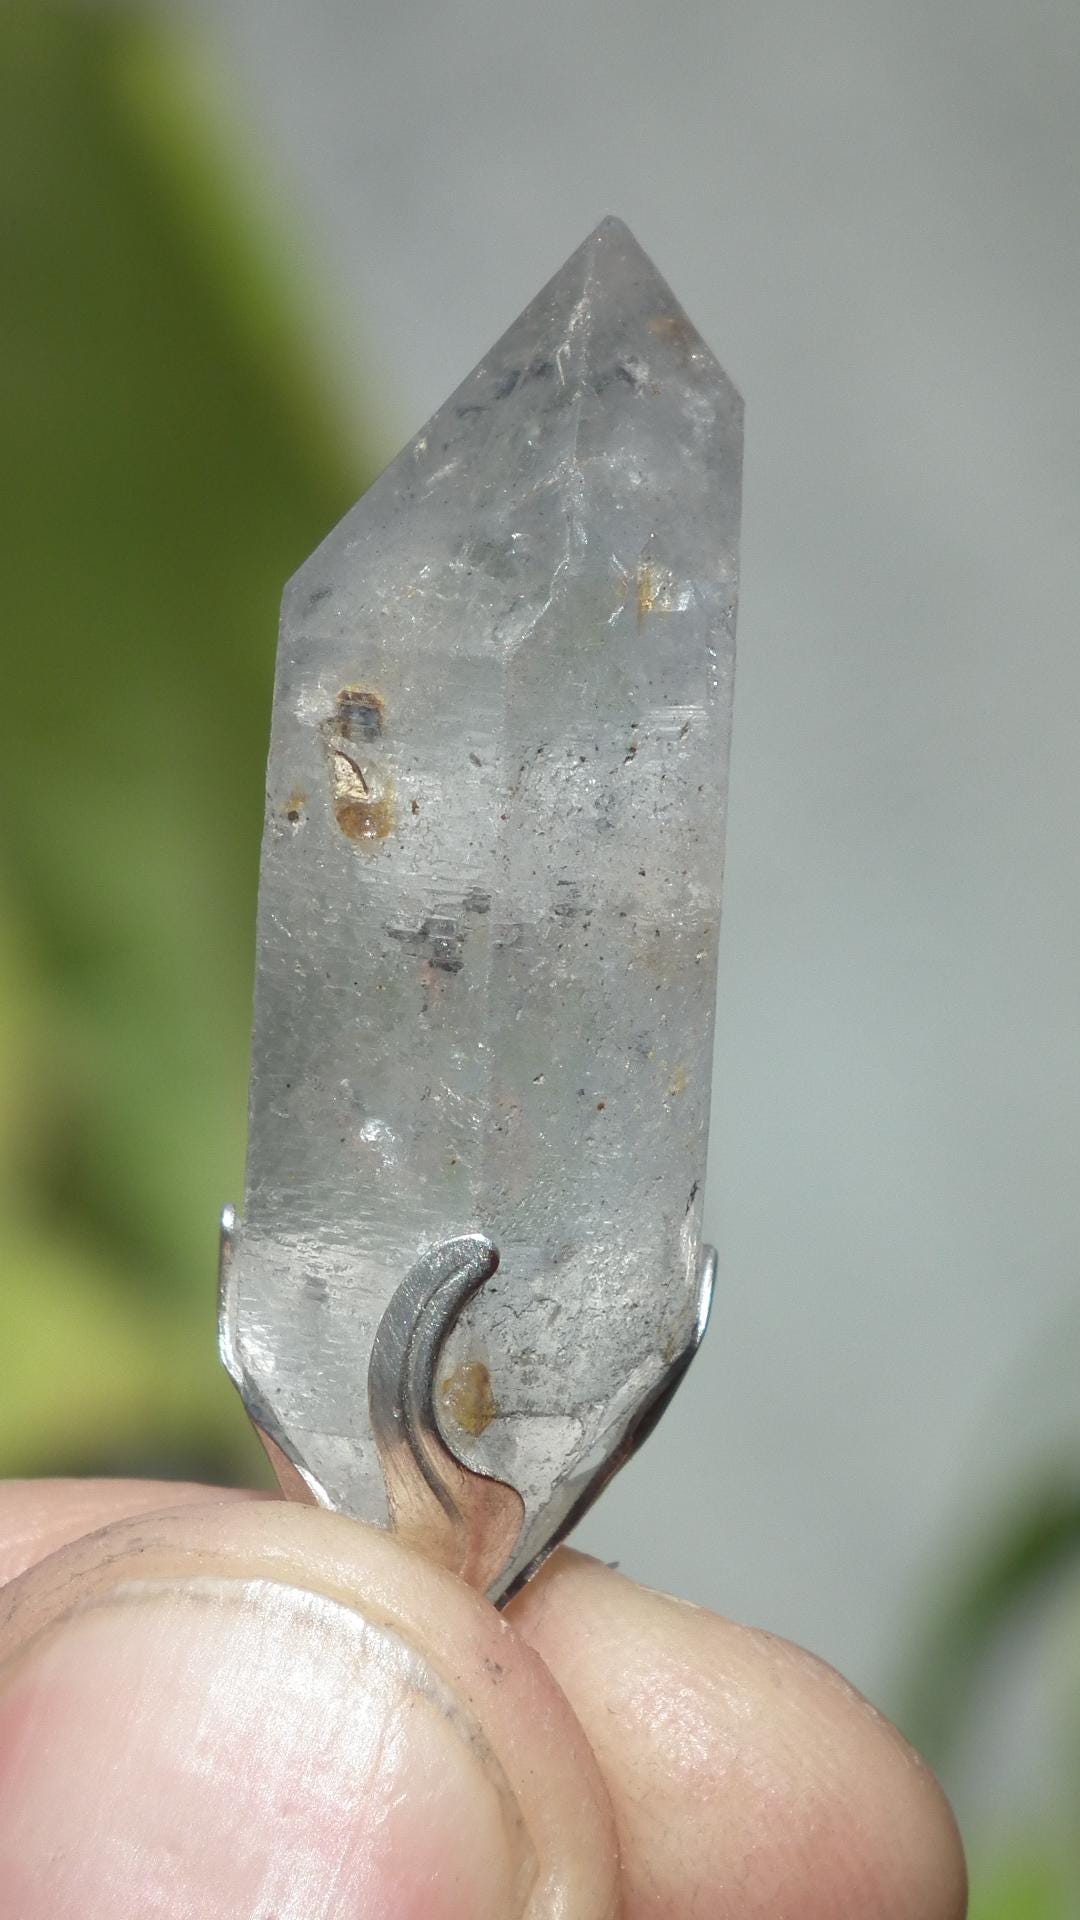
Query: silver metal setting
[(467, 1520), (474, 1524)]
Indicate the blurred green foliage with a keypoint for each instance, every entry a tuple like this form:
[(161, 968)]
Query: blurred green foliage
[(170, 456), (1022, 1575), (1026, 1888), (1027, 1551)]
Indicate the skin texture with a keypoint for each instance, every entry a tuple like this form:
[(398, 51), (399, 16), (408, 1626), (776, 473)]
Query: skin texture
[(240, 1710)]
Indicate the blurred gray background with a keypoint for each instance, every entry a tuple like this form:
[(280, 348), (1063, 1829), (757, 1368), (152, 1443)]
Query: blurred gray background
[(870, 211)]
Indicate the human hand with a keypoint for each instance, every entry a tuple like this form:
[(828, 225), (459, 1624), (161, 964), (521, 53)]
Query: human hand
[(238, 1709)]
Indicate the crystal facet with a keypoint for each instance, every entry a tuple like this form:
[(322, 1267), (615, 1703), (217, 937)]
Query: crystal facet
[(490, 900)]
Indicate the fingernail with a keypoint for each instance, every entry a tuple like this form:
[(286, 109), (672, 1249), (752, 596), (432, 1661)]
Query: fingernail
[(230, 1748)]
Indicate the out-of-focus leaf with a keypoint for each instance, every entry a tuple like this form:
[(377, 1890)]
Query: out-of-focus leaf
[(170, 457), (1022, 1561), (1029, 1547), (84, 1373), (1026, 1888)]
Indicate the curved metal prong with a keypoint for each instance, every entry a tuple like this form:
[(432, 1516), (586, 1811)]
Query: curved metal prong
[(630, 1434), (296, 1480), (461, 1517)]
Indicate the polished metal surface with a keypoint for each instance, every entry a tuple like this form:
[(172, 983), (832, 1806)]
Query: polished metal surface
[(466, 1520)]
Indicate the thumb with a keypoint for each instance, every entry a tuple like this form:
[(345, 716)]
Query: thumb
[(258, 1712)]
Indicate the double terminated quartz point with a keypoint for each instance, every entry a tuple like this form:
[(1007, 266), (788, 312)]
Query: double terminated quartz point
[(470, 1272)]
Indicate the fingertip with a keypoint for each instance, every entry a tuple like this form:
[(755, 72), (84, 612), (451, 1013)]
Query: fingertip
[(39, 1516), (203, 1710), (748, 1779), (892, 1819)]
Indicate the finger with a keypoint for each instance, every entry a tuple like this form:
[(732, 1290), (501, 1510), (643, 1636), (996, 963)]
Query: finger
[(249, 1709), (693, 1794), (37, 1516), (747, 1779)]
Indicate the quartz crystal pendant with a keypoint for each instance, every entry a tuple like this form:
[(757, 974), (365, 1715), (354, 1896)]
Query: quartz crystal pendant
[(469, 1272)]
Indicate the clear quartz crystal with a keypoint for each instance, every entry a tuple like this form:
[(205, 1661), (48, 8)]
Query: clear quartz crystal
[(490, 896)]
